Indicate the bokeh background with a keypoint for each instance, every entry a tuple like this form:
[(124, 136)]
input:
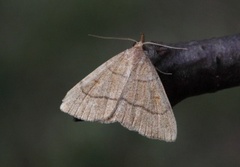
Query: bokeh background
[(45, 50)]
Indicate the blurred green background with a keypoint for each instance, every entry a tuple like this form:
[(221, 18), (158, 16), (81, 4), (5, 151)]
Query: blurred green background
[(45, 50)]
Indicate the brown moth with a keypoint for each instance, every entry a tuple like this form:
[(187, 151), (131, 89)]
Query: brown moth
[(128, 90)]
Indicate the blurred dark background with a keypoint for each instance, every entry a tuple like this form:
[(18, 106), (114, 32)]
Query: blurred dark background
[(45, 50)]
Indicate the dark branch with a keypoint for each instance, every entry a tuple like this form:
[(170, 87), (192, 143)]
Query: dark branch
[(207, 66)]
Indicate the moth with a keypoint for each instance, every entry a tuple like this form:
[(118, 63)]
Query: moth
[(128, 90)]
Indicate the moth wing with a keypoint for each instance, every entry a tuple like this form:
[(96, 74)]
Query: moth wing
[(125, 89), (144, 105), (96, 96)]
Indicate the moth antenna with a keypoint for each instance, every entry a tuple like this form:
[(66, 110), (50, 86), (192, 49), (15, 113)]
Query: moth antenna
[(116, 38), (166, 46), (142, 38)]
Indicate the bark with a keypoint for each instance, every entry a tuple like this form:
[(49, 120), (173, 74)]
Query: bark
[(206, 66)]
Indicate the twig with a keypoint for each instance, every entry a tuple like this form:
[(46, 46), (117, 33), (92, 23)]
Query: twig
[(206, 66)]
